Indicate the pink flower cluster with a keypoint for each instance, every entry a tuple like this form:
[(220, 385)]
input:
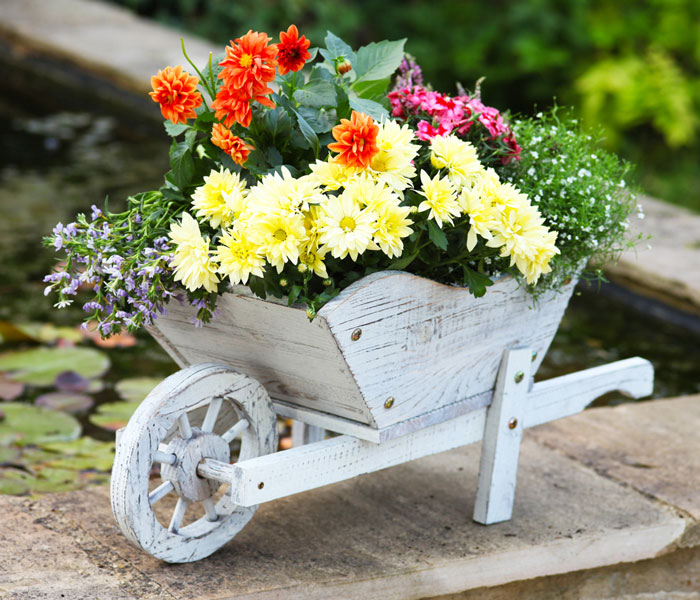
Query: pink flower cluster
[(439, 114)]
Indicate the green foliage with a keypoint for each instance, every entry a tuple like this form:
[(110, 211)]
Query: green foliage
[(580, 189)]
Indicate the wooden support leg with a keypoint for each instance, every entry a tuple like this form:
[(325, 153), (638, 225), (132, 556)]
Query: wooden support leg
[(303, 434), (501, 443)]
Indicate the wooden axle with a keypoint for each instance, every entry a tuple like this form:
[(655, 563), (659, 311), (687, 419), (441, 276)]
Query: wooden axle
[(329, 461)]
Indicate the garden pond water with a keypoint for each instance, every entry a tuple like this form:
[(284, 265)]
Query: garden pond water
[(54, 165)]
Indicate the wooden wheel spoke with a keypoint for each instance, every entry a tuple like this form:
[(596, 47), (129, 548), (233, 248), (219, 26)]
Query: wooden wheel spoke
[(160, 492), (184, 424), (212, 414), (178, 515), (236, 430), (165, 457), (210, 510)]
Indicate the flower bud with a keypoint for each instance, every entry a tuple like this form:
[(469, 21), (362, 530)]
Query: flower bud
[(303, 267), (343, 67), (310, 313), (284, 282), (327, 282), (414, 210)]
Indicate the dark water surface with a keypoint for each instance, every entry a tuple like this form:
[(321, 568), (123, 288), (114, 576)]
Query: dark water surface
[(54, 165)]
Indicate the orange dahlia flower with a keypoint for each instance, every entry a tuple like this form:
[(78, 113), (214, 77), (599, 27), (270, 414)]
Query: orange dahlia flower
[(234, 146), (249, 64), (356, 141), (176, 92), (231, 108), (292, 50)]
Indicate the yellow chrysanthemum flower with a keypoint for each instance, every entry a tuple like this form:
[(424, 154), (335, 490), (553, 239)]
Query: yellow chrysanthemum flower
[(220, 198), (331, 175), (440, 198), (345, 227), (278, 236), (391, 226), (458, 157), (238, 258), (312, 256), (539, 252), (191, 261), (482, 214), (393, 164), (282, 194)]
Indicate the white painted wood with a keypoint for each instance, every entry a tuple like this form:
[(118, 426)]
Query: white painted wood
[(295, 360), (448, 344), (342, 457), (157, 421), (569, 394), (428, 345), (302, 433), (503, 432)]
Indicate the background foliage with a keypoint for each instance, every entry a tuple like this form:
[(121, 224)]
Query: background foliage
[(632, 66)]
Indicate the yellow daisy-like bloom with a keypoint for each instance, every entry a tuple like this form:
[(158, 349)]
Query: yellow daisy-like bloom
[(393, 164), (331, 175), (238, 258), (536, 262), (458, 157), (283, 194), (369, 193), (191, 260), (278, 236), (517, 230), (345, 227), (440, 198), (390, 227), (482, 215), (220, 198), (312, 256)]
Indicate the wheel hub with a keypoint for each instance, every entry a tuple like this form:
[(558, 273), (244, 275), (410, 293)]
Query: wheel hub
[(189, 453)]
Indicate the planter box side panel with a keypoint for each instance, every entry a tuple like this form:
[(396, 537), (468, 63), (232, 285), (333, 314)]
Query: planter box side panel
[(427, 345), (297, 361)]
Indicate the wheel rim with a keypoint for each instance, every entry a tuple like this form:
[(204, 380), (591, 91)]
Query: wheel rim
[(199, 412)]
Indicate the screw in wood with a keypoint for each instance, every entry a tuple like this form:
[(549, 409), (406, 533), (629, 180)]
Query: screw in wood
[(513, 423), (261, 485), (356, 335), (389, 402), (519, 376), (534, 356)]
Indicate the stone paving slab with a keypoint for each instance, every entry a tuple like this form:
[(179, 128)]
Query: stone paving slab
[(405, 533), (101, 38), (653, 447), (670, 270)]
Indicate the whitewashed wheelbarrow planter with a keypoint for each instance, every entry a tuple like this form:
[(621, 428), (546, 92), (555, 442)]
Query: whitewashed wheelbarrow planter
[(401, 366)]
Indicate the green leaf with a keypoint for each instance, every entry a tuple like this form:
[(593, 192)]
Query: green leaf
[(337, 48), (257, 286), (182, 164), (114, 415), (26, 424), (40, 366), (320, 121), (135, 389), (477, 282), (321, 72), (343, 106), (369, 107), (371, 89), (316, 93), (308, 133), (175, 129), (403, 262), (378, 60), (294, 294), (273, 156), (437, 235)]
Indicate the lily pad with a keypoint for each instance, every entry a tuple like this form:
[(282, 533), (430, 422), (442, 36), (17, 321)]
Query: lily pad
[(41, 366), (65, 401), (25, 424), (9, 454), (9, 390), (136, 389), (37, 332), (81, 454), (114, 415), (13, 481)]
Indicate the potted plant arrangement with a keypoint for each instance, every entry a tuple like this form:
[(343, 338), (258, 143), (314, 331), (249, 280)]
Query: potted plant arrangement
[(362, 247)]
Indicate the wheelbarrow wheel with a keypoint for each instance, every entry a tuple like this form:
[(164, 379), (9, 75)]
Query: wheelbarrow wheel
[(203, 411)]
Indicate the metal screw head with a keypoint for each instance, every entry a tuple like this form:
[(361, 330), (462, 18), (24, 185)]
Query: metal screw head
[(513, 423), (519, 376), (261, 485), (389, 402), (356, 334), (534, 356)]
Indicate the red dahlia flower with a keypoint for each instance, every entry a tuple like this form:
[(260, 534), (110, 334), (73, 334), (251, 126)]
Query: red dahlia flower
[(293, 50), (176, 92)]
